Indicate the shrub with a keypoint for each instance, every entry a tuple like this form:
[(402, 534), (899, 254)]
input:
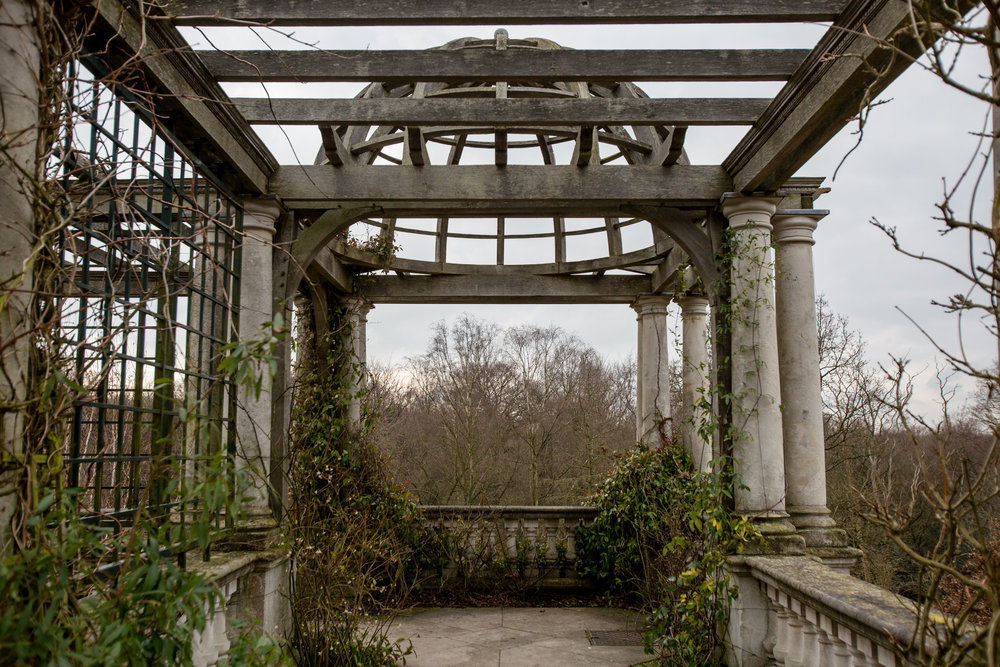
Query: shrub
[(660, 539)]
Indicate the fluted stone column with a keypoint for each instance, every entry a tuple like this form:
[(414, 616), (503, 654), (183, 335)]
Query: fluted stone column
[(357, 313), (652, 403), (253, 420), (757, 441), (19, 92), (802, 404), (694, 379)]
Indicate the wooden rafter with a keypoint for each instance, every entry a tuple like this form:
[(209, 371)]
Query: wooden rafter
[(462, 65), (511, 12)]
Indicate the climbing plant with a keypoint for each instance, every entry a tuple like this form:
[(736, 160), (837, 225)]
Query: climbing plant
[(660, 540), (354, 533)]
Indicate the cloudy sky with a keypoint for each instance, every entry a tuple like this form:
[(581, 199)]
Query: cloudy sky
[(923, 134)]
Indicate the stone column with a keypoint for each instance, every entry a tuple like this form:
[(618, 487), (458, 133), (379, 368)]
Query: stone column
[(652, 403), (357, 314), (802, 404), (757, 440), (253, 420), (695, 378), (20, 92)]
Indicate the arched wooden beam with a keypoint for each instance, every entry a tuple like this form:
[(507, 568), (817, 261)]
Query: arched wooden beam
[(688, 236), (315, 238)]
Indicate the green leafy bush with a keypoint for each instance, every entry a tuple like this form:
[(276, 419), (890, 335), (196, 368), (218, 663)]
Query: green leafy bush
[(660, 539)]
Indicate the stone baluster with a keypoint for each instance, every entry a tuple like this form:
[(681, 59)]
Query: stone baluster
[(795, 656), (780, 650)]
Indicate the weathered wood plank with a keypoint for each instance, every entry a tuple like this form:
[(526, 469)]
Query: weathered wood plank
[(509, 12), (460, 65), (333, 271), (506, 112), (826, 92), (187, 89), (513, 188), (505, 289)]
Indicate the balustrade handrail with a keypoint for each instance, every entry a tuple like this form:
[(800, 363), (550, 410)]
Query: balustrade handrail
[(866, 619)]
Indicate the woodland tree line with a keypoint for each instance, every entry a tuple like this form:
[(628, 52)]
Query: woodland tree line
[(532, 415)]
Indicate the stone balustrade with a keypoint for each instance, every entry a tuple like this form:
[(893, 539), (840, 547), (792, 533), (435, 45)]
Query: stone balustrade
[(505, 531), (254, 587), (818, 616)]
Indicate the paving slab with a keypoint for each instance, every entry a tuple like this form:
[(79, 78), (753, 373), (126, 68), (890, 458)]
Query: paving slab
[(515, 637)]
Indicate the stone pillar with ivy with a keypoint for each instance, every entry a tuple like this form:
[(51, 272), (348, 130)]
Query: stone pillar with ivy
[(758, 455), (20, 52), (357, 309), (253, 419), (652, 405), (695, 379)]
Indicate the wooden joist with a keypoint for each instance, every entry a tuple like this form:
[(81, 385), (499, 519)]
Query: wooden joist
[(513, 288), (512, 65), (514, 188), (506, 112), (510, 12)]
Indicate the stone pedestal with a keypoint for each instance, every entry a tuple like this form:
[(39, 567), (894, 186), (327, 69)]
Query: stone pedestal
[(357, 316), (802, 403), (757, 439), (652, 405), (695, 380), (19, 91), (253, 420)]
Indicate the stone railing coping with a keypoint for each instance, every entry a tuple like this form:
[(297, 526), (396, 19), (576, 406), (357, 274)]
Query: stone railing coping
[(884, 617), (576, 511), (228, 565)]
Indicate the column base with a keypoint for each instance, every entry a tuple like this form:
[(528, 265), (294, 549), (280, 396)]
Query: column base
[(824, 540), (780, 537), (816, 526)]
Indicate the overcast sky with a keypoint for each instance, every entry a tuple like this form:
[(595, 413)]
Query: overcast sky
[(923, 134)]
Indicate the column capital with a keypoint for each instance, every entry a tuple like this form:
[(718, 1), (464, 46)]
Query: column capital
[(796, 225), (749, 211), (358, 305), (651, 304), (693, 304), (260, 214)]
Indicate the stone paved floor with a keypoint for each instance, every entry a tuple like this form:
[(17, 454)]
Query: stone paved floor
[(548, 637)]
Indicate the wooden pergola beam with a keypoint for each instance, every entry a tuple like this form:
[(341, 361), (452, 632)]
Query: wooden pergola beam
[(505, 289), (827, 91), (403, 189), (513, 65), (501, 112), (187, 89), (510, 12)]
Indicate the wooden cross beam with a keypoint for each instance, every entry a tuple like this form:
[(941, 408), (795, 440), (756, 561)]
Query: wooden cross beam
[(488, 12), (513, 65), (434, 112), (487, 188), (513, 288)]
